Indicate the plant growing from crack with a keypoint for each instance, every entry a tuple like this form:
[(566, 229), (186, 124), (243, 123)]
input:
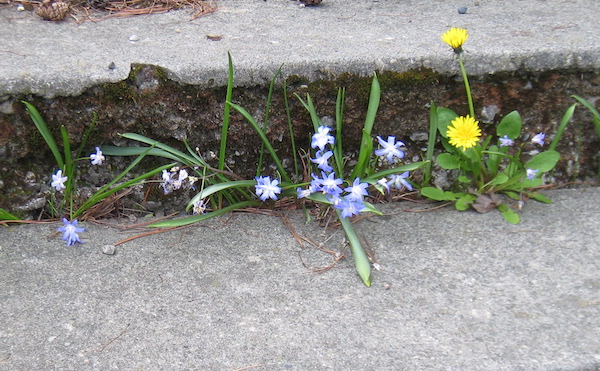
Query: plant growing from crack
[(346, 192), (488, 167)]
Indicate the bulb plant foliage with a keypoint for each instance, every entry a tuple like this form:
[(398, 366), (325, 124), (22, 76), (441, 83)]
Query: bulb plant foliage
[(345, 190), (489, 166), (64, 198)]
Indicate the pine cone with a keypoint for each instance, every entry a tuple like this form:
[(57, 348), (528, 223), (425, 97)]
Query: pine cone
[(310, 2), (52, 10)]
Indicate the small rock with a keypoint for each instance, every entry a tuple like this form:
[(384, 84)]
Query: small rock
[(488, 113), (419, 136), (109, 249), (462, 10), (134, 38)]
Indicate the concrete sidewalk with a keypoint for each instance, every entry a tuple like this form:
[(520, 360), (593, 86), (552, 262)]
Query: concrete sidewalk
[(459, 291), (338, 36)]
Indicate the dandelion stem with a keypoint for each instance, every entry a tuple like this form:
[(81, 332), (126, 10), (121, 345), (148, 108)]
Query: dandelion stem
[(467, 86)]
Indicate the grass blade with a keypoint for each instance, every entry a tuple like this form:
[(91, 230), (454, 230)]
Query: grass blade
[(562, 126), (226, 114), (197, 218), (590, 107), (366, 146), (291, 130), (433, 129), (40, 124), (264, 139)]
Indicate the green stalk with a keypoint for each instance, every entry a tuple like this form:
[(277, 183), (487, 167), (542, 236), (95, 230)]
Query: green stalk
[(433, 129), (226, 114), (291, 129), (69, 170), (467, 86), (366, 145), (339, 119), (562, 126)]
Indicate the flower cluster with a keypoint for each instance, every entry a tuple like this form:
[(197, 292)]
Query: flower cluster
[(538, 139), (350, 200), (175, 179)]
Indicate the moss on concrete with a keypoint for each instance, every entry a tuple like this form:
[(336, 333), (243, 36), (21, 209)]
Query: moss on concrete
[(148, 103)]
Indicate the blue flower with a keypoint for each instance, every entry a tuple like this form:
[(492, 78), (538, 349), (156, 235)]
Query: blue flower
[(301, 193), (538, 139), (321, 160), (183, 175), (199, 207), (357, 191), (349, 207), (390, 148), (399, 181), (321, 138), (58, 181), (97, 157), (70, 231), (267, 188), (384, 183), (167, 182), (505, 141), (331, 184), (531, 173)]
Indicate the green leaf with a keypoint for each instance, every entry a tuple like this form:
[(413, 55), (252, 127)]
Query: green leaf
[(493, 160), (433, 128), (366, 145), (197, 218), (464, 202), (373, 178), (361, 261), (179, 155), (40, 124), (218, 188), (562, 126), (530, 183), (500, 178), (513, 195), (264, 140), (5, 215), (509, 214), (439, 195), (510, 125), (540, 197), (445, 117), (226, 113), (448, 161), (544, 161), (592, 109), (464, 179)]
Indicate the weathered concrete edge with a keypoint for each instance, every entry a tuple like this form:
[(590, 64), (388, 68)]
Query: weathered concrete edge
[(248, 73)]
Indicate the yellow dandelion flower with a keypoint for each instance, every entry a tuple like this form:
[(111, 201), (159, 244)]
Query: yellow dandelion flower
[(463, 132), (455, 37)]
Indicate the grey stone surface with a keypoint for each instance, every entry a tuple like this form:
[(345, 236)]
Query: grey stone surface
[(357, 36), (456, 291)]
